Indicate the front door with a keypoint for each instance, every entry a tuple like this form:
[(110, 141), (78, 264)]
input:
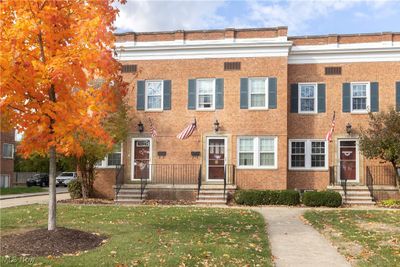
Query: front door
[(141, 158), (216, 158), (348, 160)]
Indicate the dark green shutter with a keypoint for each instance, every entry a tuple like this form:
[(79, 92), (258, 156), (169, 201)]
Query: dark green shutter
[(244, 93), (374, 97), (321, 98), (192, 94), (398, 96), (140, 95), (167, 95), (294, 98), (219, 93), (346, 99), (272, 92)]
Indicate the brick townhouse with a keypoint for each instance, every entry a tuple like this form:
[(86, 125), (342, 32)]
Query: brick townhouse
[(262, 102), (7, 140)]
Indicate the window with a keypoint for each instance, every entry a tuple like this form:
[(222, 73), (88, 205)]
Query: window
[(360, 94), (307, 98), (257, 152), (154, 95), (205, 93), (258, 97), (308, 154), (8, 151), (112, 159)]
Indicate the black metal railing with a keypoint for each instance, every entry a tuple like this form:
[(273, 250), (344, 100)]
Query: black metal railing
[(199, 178), (335, 179), (119, 178), (380, 175), (172, 174), (229, 175), (143, 183)]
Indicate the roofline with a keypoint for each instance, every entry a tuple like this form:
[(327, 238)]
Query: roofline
[(204, 31), (344, 34)]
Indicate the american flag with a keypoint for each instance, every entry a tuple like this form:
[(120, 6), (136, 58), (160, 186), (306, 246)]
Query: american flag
[(188, 131), (329, 134), (152, 129)]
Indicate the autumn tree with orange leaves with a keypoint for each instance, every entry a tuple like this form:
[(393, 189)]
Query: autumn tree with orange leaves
[(50, 51)]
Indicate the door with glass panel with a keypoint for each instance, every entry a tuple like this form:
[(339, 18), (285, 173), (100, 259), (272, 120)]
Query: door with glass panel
[(216, 158), (141, 158), (348, 160)]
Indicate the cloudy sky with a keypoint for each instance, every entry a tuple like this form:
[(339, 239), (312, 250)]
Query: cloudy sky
[(301, 16)]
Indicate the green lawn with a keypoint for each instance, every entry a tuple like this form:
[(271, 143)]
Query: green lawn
[(366, 238), (21, 190), (153, 236)]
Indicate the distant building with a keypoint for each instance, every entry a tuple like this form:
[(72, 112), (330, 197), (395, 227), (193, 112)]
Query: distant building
[(7, 140)]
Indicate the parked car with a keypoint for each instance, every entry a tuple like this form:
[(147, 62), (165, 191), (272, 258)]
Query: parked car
[(40, 179), (65, 178)]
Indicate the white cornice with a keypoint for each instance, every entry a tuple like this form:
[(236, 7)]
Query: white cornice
[(345, 53), (200, 49)]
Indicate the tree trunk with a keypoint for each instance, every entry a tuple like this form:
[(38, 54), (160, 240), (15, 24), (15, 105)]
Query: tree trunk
[(52, 189), (396, 175)]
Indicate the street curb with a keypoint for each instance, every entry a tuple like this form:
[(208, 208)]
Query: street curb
[(30, 195)]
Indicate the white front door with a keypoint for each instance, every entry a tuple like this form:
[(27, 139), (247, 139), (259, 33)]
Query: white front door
[(141, 159), (216, 158)]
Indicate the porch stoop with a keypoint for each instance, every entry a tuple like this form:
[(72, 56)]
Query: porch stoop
[(130, 194), (213, 194), (355, 195)]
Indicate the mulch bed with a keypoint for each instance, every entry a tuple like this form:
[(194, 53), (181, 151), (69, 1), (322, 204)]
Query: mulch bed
[(42, 242), (88, 201)]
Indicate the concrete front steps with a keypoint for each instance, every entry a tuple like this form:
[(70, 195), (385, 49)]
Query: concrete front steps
[(356, 195), (213, 194), (130, 194)]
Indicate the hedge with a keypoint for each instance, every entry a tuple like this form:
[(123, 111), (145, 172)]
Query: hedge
[(267, 197), (75, 188), (322, 198)]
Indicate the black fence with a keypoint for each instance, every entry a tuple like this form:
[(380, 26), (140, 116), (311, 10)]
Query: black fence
[(380, 175)]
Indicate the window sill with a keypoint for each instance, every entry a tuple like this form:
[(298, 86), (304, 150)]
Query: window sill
[(250, 108), (363, 112), (256, 168), (153, 110), (308, 113), (8, 157), (205, 109), (309, 169)]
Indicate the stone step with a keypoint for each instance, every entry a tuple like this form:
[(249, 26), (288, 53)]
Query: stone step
[(207, 201), (358, 198), (131, 192), (131, 196), (132, 201), (359, 202)]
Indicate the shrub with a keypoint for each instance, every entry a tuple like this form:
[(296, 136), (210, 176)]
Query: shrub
[(322, 198), (75, 188), (267, 197), (390, 203)]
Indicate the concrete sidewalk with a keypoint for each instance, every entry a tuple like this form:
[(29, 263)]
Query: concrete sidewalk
[(41, 199), (59, 190), (294, 243)]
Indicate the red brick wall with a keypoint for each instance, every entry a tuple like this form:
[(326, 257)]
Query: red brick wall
[(104, 182)]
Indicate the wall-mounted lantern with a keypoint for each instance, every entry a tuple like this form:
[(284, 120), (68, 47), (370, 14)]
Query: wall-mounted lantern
[(348, 128), (140, 127), (216, 126)]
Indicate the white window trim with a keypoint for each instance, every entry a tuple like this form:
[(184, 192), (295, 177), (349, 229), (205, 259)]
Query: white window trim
[(104, 162), (256, 153), (315, 98), (361, 111), (146, 96), (307, 155), (12, 151), (213, 91), (266, 93)]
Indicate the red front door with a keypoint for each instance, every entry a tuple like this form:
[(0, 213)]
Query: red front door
[(348, 160), (142, 159), (216, 159)]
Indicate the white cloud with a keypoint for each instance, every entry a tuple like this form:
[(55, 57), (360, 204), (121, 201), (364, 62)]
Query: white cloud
[(300, 15), (169, 15)]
